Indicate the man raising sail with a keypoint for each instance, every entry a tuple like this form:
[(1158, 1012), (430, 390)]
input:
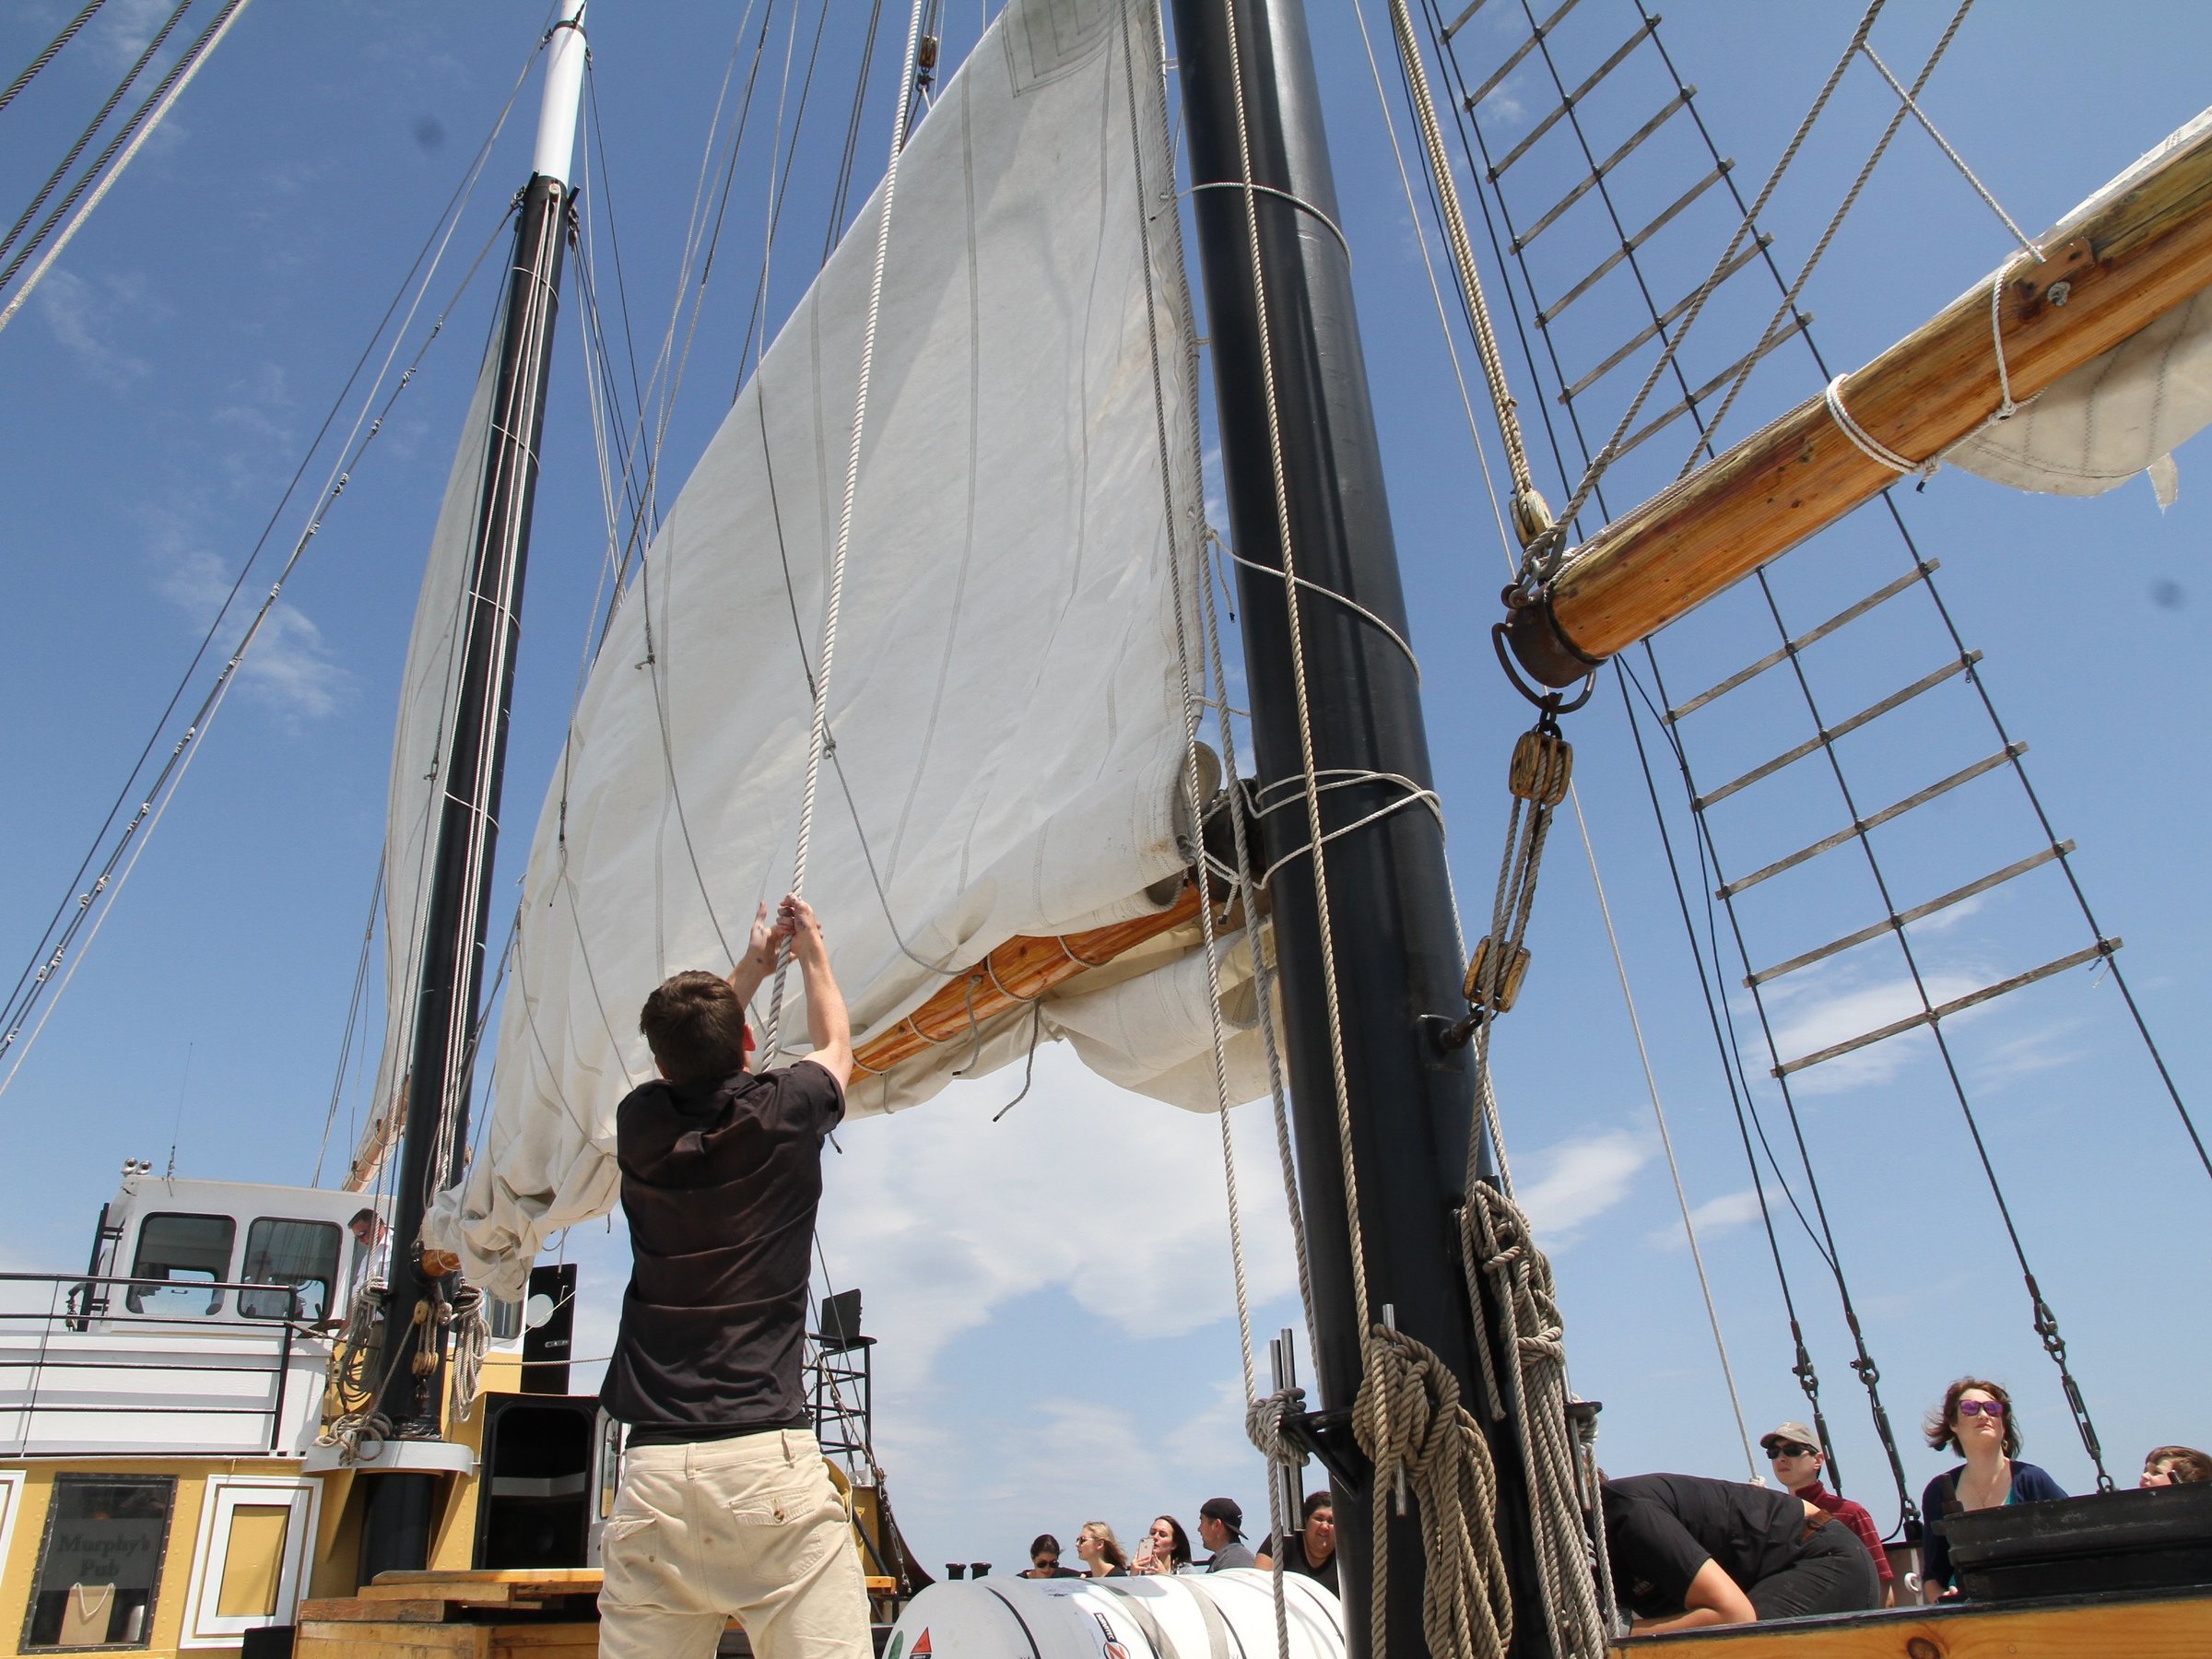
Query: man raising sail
[(726, 1507)]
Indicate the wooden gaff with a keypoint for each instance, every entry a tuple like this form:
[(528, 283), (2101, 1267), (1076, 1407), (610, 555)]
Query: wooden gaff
[(2105, 273), (1018, 973)]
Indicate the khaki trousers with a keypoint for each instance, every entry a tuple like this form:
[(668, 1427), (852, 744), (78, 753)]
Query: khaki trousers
[(751, 1527)]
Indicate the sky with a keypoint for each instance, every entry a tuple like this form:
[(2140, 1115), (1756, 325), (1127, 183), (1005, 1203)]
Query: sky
[(1053, 1292)]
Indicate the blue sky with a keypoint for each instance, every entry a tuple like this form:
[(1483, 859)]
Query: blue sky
[(1053, 1292)]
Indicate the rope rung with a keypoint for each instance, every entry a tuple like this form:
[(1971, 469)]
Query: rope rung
[(1464, 19), (1784, 651), (1927, 682), (1627, 250), (2010, 752), (1917, 914), (1928, 1016)]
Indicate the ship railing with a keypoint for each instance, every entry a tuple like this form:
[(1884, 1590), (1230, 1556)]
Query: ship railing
[(81, 1355)]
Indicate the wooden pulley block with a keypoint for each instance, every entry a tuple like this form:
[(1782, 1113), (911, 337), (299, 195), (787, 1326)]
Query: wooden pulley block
[(1500, 999), (1543, 761)]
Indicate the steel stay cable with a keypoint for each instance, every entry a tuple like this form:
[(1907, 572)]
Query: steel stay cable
[(16, 1006), (84, 140), (47, 56), (170, 778), (129, 141)]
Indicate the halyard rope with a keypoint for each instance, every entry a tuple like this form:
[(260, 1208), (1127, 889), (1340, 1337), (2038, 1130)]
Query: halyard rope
[(818, 741)]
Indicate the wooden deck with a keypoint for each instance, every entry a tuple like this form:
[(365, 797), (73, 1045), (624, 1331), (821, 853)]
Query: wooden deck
[(519, 1613), (2167, 1625)]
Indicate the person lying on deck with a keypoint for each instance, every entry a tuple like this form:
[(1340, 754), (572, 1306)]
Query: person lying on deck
[(1687, 1553)]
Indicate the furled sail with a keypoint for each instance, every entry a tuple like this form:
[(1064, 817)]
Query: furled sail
[(2120, 414), (1008, 738), (427, 692)]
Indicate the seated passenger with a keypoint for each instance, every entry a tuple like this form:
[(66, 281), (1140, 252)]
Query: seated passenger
[(1687, 1553), (1044, 1559), (2175, 1466), (1796, 1454), (1976, 1420), (1165, 1548), (1312, 1550), (1102, 1551)]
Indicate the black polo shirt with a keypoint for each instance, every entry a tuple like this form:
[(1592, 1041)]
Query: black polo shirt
[(1660, 1529), (720, 1185)]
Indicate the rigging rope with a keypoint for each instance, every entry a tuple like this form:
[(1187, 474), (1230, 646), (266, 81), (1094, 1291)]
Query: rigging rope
[(1532, 518), (818, 739)]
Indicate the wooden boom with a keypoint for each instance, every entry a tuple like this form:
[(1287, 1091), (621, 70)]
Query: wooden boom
[(2105, 273), (1018, 973)]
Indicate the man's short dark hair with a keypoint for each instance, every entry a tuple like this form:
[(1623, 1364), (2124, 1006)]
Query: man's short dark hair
[(696, 1027), (364, 1216)]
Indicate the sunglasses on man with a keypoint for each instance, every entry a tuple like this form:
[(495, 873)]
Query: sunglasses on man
[(1782, 1449)]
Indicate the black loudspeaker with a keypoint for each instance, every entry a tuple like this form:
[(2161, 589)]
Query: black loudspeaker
[(840, 1321), (546, 1345)]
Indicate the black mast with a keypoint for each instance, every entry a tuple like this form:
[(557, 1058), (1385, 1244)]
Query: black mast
[(1411, 1102), (399, 1509)]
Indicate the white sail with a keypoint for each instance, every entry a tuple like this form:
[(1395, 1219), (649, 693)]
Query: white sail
[(1009, 740), (2120, 414), (425, 702)]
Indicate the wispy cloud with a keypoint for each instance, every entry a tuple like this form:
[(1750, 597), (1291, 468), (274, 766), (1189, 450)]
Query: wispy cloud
[(1821, 1012), (1503, 105), (125, 28), (1578, 1180), (82, 321), (1714, 1216), (288, 666)]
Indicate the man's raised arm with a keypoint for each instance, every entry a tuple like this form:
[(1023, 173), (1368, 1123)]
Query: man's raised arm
[(828, 1027)]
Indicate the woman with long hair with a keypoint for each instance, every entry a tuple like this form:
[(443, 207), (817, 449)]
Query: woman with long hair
[(1977, 1421), (1165, 1548), (1100, 1552)]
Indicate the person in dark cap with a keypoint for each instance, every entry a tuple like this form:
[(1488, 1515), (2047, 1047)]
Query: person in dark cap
[(1796, 1454), (1221, 1530)]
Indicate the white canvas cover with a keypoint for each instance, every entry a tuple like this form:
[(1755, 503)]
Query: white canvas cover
[(1008, 739), (2120, 414)]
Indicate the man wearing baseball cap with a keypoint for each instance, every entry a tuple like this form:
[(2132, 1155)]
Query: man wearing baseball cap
[(1221, 1530), (1799, 1460)]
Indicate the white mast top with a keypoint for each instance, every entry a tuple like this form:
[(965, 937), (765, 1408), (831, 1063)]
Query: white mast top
[(564, 88)]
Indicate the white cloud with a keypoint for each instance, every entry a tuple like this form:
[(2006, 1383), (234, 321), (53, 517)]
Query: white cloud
[(1815, 1015), (1577, 1181), (946, 1218), (81, 319), (1502, 106), (1714, 1216), (126, 27), (289, 665)]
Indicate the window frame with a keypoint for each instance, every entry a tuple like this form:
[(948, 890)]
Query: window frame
[(329, 1281), (142, 1285), (204, 1626), (62, 1479)]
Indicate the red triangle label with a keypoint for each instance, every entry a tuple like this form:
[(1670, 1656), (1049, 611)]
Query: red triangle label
[(920, 1646)]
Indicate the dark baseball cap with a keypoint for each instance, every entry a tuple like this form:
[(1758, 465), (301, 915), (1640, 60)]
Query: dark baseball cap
[(1225, 1511)]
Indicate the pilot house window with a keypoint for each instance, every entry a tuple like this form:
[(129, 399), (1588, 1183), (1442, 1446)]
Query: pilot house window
[(99, 1563), (183, 1250), (295, 1257)]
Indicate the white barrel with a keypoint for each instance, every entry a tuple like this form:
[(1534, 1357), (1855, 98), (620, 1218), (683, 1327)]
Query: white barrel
[(1210, 1615)]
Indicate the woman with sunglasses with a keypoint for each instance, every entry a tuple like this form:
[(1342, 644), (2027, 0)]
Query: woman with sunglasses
[(1976, 1421)]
